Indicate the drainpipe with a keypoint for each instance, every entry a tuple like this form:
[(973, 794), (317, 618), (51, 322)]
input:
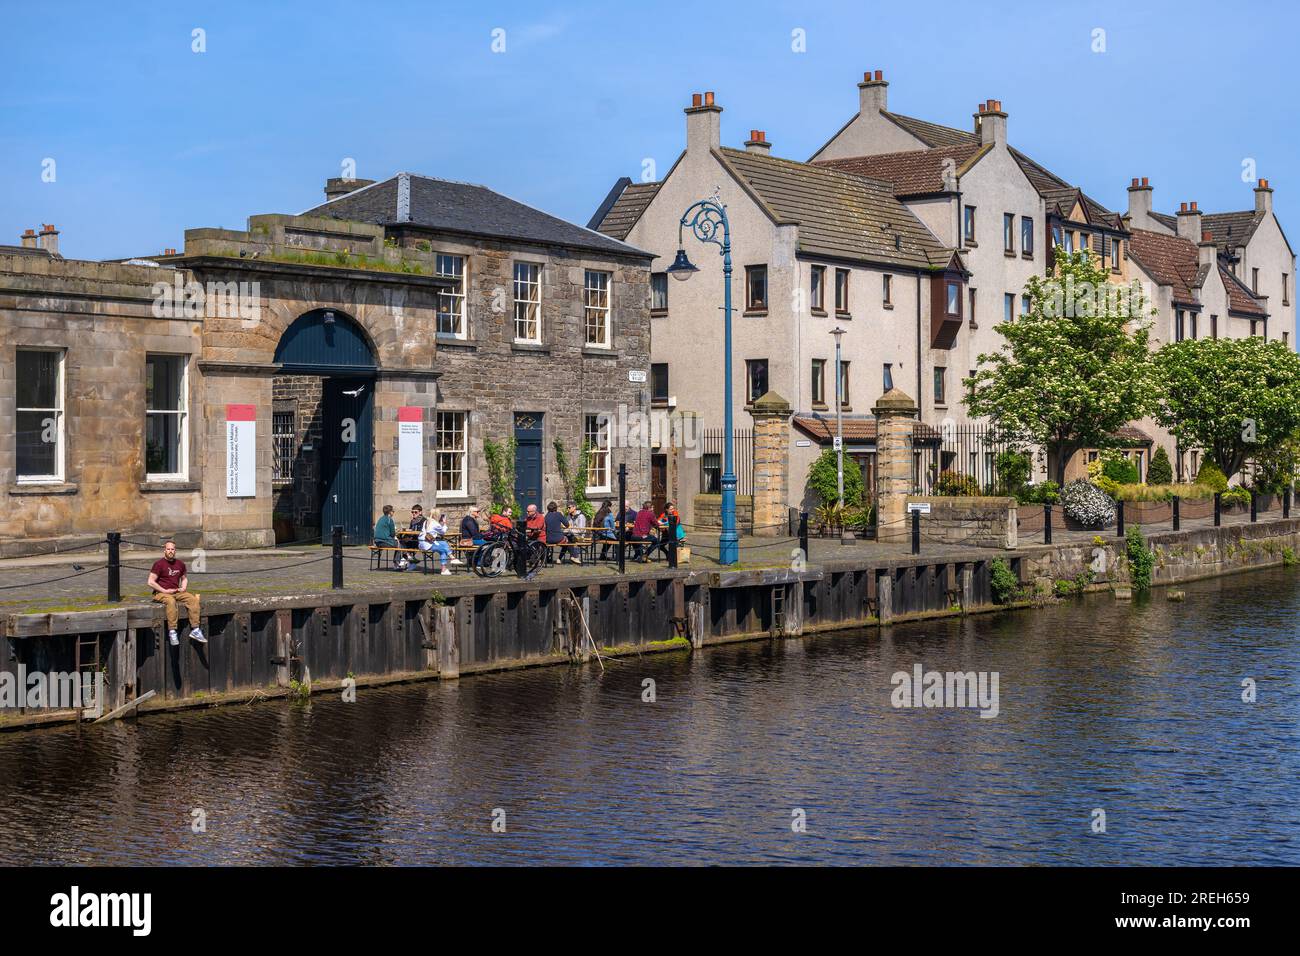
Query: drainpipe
[(919, 394)]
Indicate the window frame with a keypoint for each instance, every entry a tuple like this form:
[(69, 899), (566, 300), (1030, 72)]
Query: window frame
[(845, 403), (60, 393), (817, 289), (887, 289), (278, 453), (461, 313), (1027, 236), (655, 400), (599, 459), (462, 488), (842, 302), (817, 382), (752, 306), (968, 226), (887, 377), (658, 278), (604, 313), (533, 283), (1008, 306), (1009, 233), (750, 366), (940, 376), (182, 412)]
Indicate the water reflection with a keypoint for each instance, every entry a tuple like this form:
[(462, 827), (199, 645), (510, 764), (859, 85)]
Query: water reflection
[(1135, 709)]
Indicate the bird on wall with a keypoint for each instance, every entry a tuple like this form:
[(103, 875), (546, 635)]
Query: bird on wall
[(355, 392)]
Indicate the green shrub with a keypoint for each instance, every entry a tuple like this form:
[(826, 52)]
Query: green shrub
[(1235, 496), (1288, 557), (1164, 492), (1160, 471), (1212, 477), (954, 485), (1108, 485), (1013, 470), (1003, 581), (821, 478), (1140, 559), (1042, 493), (1120, 470)]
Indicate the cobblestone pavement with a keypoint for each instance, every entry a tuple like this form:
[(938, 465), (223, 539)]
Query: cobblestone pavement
[(39, 585)]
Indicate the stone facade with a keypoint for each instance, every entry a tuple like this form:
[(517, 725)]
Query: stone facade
[(895, 413), (771, 465), (969, 522), (708, 513)]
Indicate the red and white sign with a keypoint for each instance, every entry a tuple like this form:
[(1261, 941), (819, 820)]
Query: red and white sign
[(410, 448), (241, 451)]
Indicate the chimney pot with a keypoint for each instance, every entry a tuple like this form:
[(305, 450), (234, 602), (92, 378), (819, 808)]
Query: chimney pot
[(866, 77), (1263, 184), (880, 75), (49, 240), (1135, 183), (1182, 207), (696, 99), (708, 97), (983, 106), (1206, 237), (1193, 205), (1145, 182)]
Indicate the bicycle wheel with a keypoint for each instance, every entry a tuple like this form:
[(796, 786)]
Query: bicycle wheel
[(476, 559), (536, 555), (496, 558)]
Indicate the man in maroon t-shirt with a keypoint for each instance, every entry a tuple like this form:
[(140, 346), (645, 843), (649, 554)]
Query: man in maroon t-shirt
[(168, 581), (643, 530)]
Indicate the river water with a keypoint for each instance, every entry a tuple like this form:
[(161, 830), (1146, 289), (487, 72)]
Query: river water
[(1134, 710)]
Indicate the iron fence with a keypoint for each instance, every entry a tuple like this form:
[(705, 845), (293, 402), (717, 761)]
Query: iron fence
[(711, 457), (968, 452)]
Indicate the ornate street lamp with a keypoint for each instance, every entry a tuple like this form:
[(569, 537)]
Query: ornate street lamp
[(707, 219)]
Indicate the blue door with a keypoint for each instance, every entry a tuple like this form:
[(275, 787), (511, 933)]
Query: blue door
[(347, 476), (528, 459)]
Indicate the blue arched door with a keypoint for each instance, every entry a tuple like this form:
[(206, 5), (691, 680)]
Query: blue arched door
[(330, 344)]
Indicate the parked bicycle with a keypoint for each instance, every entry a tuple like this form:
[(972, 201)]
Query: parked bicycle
[(500, 554)]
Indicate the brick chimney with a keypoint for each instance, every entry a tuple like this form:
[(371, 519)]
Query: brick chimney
[(1207, 251), (757, 142), (1263, 197), (991, 122), (873, 93), (1139, 203), (49, 239), (336, 187), (28, 238), (1189, 222), (703, 124)]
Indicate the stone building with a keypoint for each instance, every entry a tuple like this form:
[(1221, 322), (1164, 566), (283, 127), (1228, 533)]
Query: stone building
[(272, 382)]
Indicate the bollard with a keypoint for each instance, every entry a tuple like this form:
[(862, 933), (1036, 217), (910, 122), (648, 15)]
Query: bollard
[(1254, 507), (1119, 519), (1177, 515), (672, 541), (114, 566), (622, 525), (1286, 502), (1047, 524), (803, 534), (336, 557), (1218, 509), (916, 532)]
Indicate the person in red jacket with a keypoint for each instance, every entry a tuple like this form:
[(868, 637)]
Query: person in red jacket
[(535, 522), (643, 529), (501, 523)]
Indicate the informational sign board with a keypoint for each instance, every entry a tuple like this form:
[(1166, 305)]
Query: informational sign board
[(803, 443), (837, 443), (410, 448), (922, 506), (636, 375), (241, 451)]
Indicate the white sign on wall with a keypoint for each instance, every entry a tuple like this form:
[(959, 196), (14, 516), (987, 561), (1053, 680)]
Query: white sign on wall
[(922, 506), (241, 451), (636, 375), (410, 448)]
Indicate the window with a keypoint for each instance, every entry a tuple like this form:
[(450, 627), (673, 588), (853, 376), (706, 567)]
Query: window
[(954, 298), (711, 472), (1253, 332), (888, 382), (756, 379), (1083, 242), (1009, 233), (1214, 326), (1114, 255), (1024, 304), (1069, 241), (39, 408), (595, 436), (970, 386), (968, 225), (282, 442), (972, 308), (449, 456), (528, 302), (595, 309), (841, 291), (1286, 296), (1008, 306), (756, 288), (819, 381), (1178, 326), (889, 290), (940, 380), (817, 288), (1192, 315), (165, 426), (1026, 236), (658, 293), (844, 385), (1254, 281), (659, 383), (451, 304)]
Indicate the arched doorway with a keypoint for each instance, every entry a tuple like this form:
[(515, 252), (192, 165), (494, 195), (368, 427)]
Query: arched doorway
[(323, 472)]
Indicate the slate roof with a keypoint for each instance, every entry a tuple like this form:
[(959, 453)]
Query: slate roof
[(839, 215), (410, 199), (1170, 261), (911, 173), (932, 134), (626, 209), (1229, 230)]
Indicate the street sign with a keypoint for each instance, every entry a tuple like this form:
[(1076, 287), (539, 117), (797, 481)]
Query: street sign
[(636, 375), (837, 443), (922, 506), (803, 443)]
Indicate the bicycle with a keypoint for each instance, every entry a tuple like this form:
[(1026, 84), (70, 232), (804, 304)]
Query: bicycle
[(494, 557)]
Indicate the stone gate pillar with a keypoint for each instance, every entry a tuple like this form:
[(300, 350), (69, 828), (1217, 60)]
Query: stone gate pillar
[(771, 415), (895, 414)]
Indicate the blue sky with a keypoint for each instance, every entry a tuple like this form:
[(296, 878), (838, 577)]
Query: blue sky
[(150, 138)]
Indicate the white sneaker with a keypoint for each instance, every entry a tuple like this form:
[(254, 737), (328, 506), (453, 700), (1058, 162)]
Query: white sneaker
[(446, 570), (172, 638), (457, 561), (196, 634)]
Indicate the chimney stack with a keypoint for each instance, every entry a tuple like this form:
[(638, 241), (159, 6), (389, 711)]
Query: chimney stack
[(1208, 252), (49, 239), (1263, 197), (757, 142), (1139, 203), (28, 238), (1189, 222), (703, 124), (873, 93), (336, 187), (991, 122)]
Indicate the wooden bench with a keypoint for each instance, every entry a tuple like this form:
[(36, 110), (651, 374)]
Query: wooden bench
[(386, 555)]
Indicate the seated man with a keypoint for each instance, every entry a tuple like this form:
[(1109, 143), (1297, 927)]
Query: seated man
[(643, 531), (535, 522), (386, 534), (555, 528), (609, 533), (170, 586), (501, 524), (470, 532)]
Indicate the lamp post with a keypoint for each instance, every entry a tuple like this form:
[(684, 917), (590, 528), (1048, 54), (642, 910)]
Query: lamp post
[(839, 420), (707, 219)]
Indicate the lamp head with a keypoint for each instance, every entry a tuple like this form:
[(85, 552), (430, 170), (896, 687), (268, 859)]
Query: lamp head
[(682, 267)]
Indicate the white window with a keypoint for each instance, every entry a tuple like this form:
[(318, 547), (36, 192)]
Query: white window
[(528, 302), (451, 304), (39, 409), (595, 436), (166, 425), (595, 309), (449, 456)]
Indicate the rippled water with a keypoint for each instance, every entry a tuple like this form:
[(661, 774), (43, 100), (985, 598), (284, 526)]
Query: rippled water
[(1134, 709)]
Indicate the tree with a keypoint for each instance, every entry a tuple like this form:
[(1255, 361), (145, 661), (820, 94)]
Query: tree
[(1160, 471), (1234, 398), (1073, 369), (821, 479)]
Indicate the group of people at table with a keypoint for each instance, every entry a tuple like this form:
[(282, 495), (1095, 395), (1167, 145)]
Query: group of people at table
[(567, 527)]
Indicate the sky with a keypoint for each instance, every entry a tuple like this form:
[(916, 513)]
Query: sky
[(117, 130)]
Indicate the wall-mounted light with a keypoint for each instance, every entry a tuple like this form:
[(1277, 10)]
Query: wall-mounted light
[(328, 318)]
